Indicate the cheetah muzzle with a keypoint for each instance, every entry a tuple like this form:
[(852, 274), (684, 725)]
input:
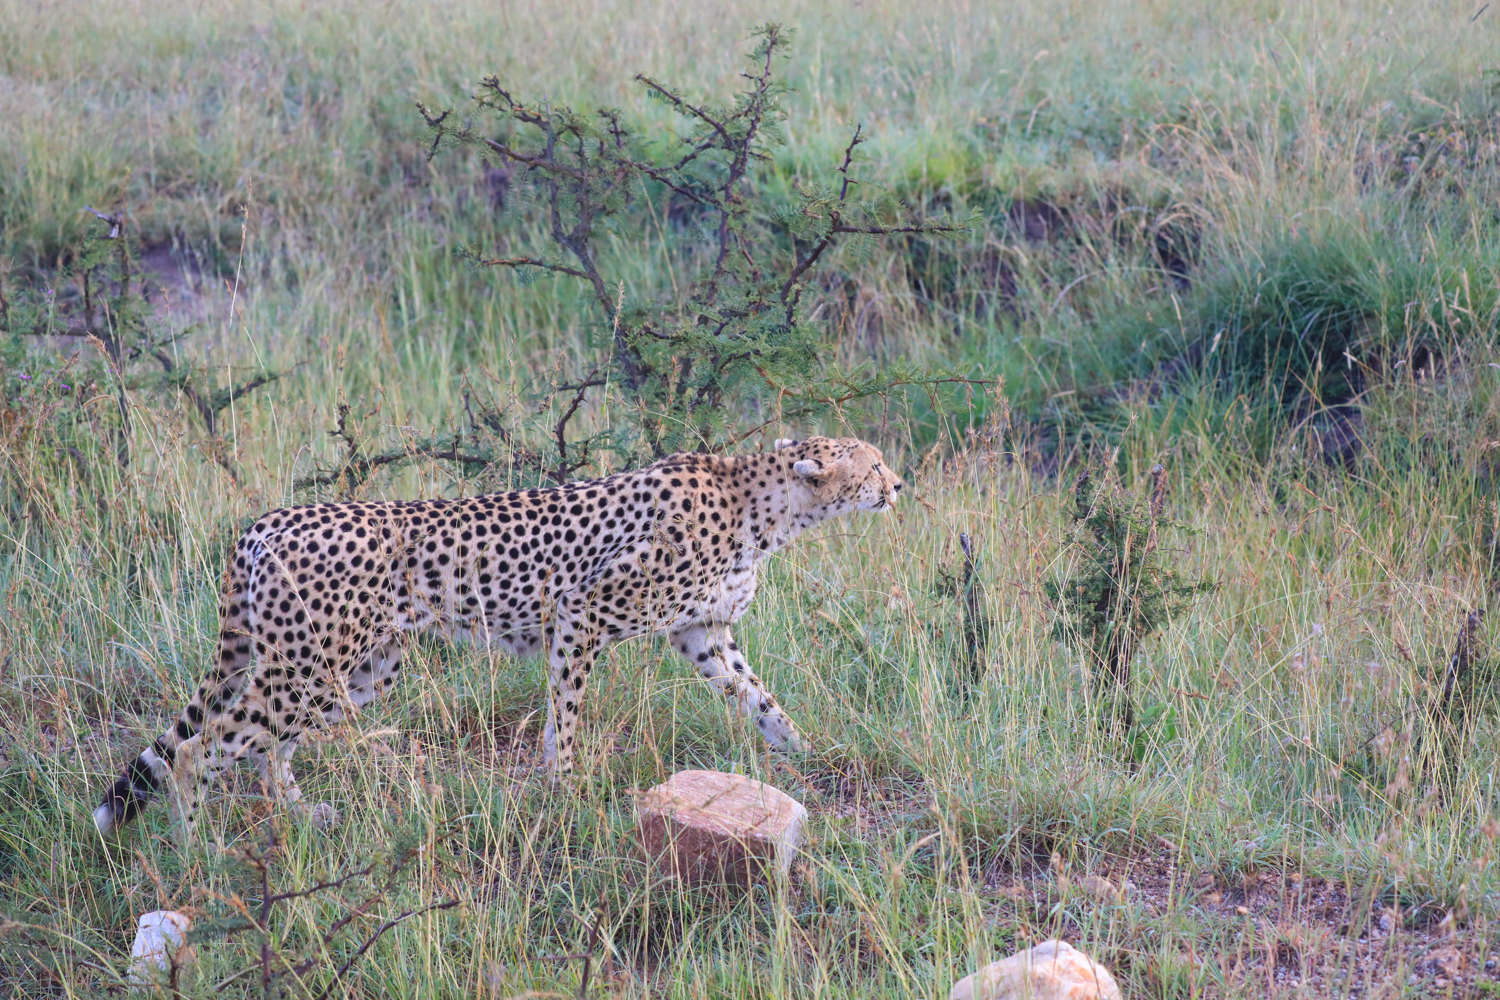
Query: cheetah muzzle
[(316, 599)]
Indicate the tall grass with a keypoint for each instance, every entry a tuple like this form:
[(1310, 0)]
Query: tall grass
[(1307, 157)]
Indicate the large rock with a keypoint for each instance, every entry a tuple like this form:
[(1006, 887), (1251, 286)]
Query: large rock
[(706, 826), (161, 948), (1053, 970)]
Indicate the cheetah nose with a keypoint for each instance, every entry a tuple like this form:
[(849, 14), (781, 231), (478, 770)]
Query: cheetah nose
[(897, 487)]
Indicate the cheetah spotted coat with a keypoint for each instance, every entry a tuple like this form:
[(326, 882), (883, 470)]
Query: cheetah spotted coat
[(316, 599)]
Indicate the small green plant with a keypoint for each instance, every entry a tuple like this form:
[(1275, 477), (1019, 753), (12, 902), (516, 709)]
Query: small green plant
[(1124, 593), (1157, 724), (99, 294)]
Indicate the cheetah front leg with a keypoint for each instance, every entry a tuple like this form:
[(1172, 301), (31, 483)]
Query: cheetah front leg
[(711, 649)]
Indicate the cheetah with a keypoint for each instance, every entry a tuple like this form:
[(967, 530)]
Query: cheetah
[(316, 599)]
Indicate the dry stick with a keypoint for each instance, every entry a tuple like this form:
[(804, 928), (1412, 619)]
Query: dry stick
[(209, 414), (260, 858), (361, 467), (973, 622), (587, 956), (1440, 711), (564, 467), (574, 241), (533, 262), (109, 336), (857, 392), (358, 467), (812, 255), (265, 918)]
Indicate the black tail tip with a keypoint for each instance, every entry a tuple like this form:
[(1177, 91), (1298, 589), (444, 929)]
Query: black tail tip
[(127, 796), (119, 807)]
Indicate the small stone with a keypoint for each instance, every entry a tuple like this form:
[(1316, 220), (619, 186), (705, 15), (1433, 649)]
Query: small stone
[(1104, 890), (707, 826), (161, 947), (1444, 960), (1053, 970)]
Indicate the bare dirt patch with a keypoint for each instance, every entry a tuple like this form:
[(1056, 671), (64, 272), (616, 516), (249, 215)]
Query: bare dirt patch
[(1271, 933)]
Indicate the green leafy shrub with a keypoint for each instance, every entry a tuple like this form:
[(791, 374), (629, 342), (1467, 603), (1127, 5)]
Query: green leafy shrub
[(1124, 593)]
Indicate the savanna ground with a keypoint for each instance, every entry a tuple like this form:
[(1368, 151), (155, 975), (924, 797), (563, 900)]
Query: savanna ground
[(1255, 243)]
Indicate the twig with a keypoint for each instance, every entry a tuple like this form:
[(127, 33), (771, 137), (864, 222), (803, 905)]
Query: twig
[(265, 917), (861, 393), (370, 941), (533, 262), (115, 221), (321, 886), (541, 162), (564, 469), (362, 467), (976, 627), (1440, 713)]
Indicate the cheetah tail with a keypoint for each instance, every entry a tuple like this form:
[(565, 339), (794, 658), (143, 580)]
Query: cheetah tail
[(135, 787)]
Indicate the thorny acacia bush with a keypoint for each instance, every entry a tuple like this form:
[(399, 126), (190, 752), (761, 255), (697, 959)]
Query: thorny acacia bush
[(98, 295), (350, 910), (736, 339), (69, 419)]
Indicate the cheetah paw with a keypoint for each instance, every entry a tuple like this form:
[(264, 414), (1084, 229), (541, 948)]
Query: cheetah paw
[(324, 816), (796, 745)]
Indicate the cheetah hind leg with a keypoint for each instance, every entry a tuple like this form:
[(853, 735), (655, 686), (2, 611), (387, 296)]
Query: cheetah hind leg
[(196, 765), (374, 676), (575, 649), (204, 757)]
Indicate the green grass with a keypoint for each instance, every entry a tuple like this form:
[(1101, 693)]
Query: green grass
[(1326, 173)]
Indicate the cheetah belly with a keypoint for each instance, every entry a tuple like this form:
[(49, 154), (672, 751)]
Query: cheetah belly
[(729, 601), (472, 604)]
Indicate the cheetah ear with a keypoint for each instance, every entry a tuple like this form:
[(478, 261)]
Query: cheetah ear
[(808, 468), (785, 443)]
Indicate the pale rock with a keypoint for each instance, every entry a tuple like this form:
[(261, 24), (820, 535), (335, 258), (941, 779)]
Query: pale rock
[(1053, 970), (160, 946), (707, 826)]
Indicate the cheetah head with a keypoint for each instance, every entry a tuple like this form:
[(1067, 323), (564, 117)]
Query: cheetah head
[(837, 475)]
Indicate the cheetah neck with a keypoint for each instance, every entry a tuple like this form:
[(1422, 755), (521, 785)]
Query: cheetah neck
[(771, 516)]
